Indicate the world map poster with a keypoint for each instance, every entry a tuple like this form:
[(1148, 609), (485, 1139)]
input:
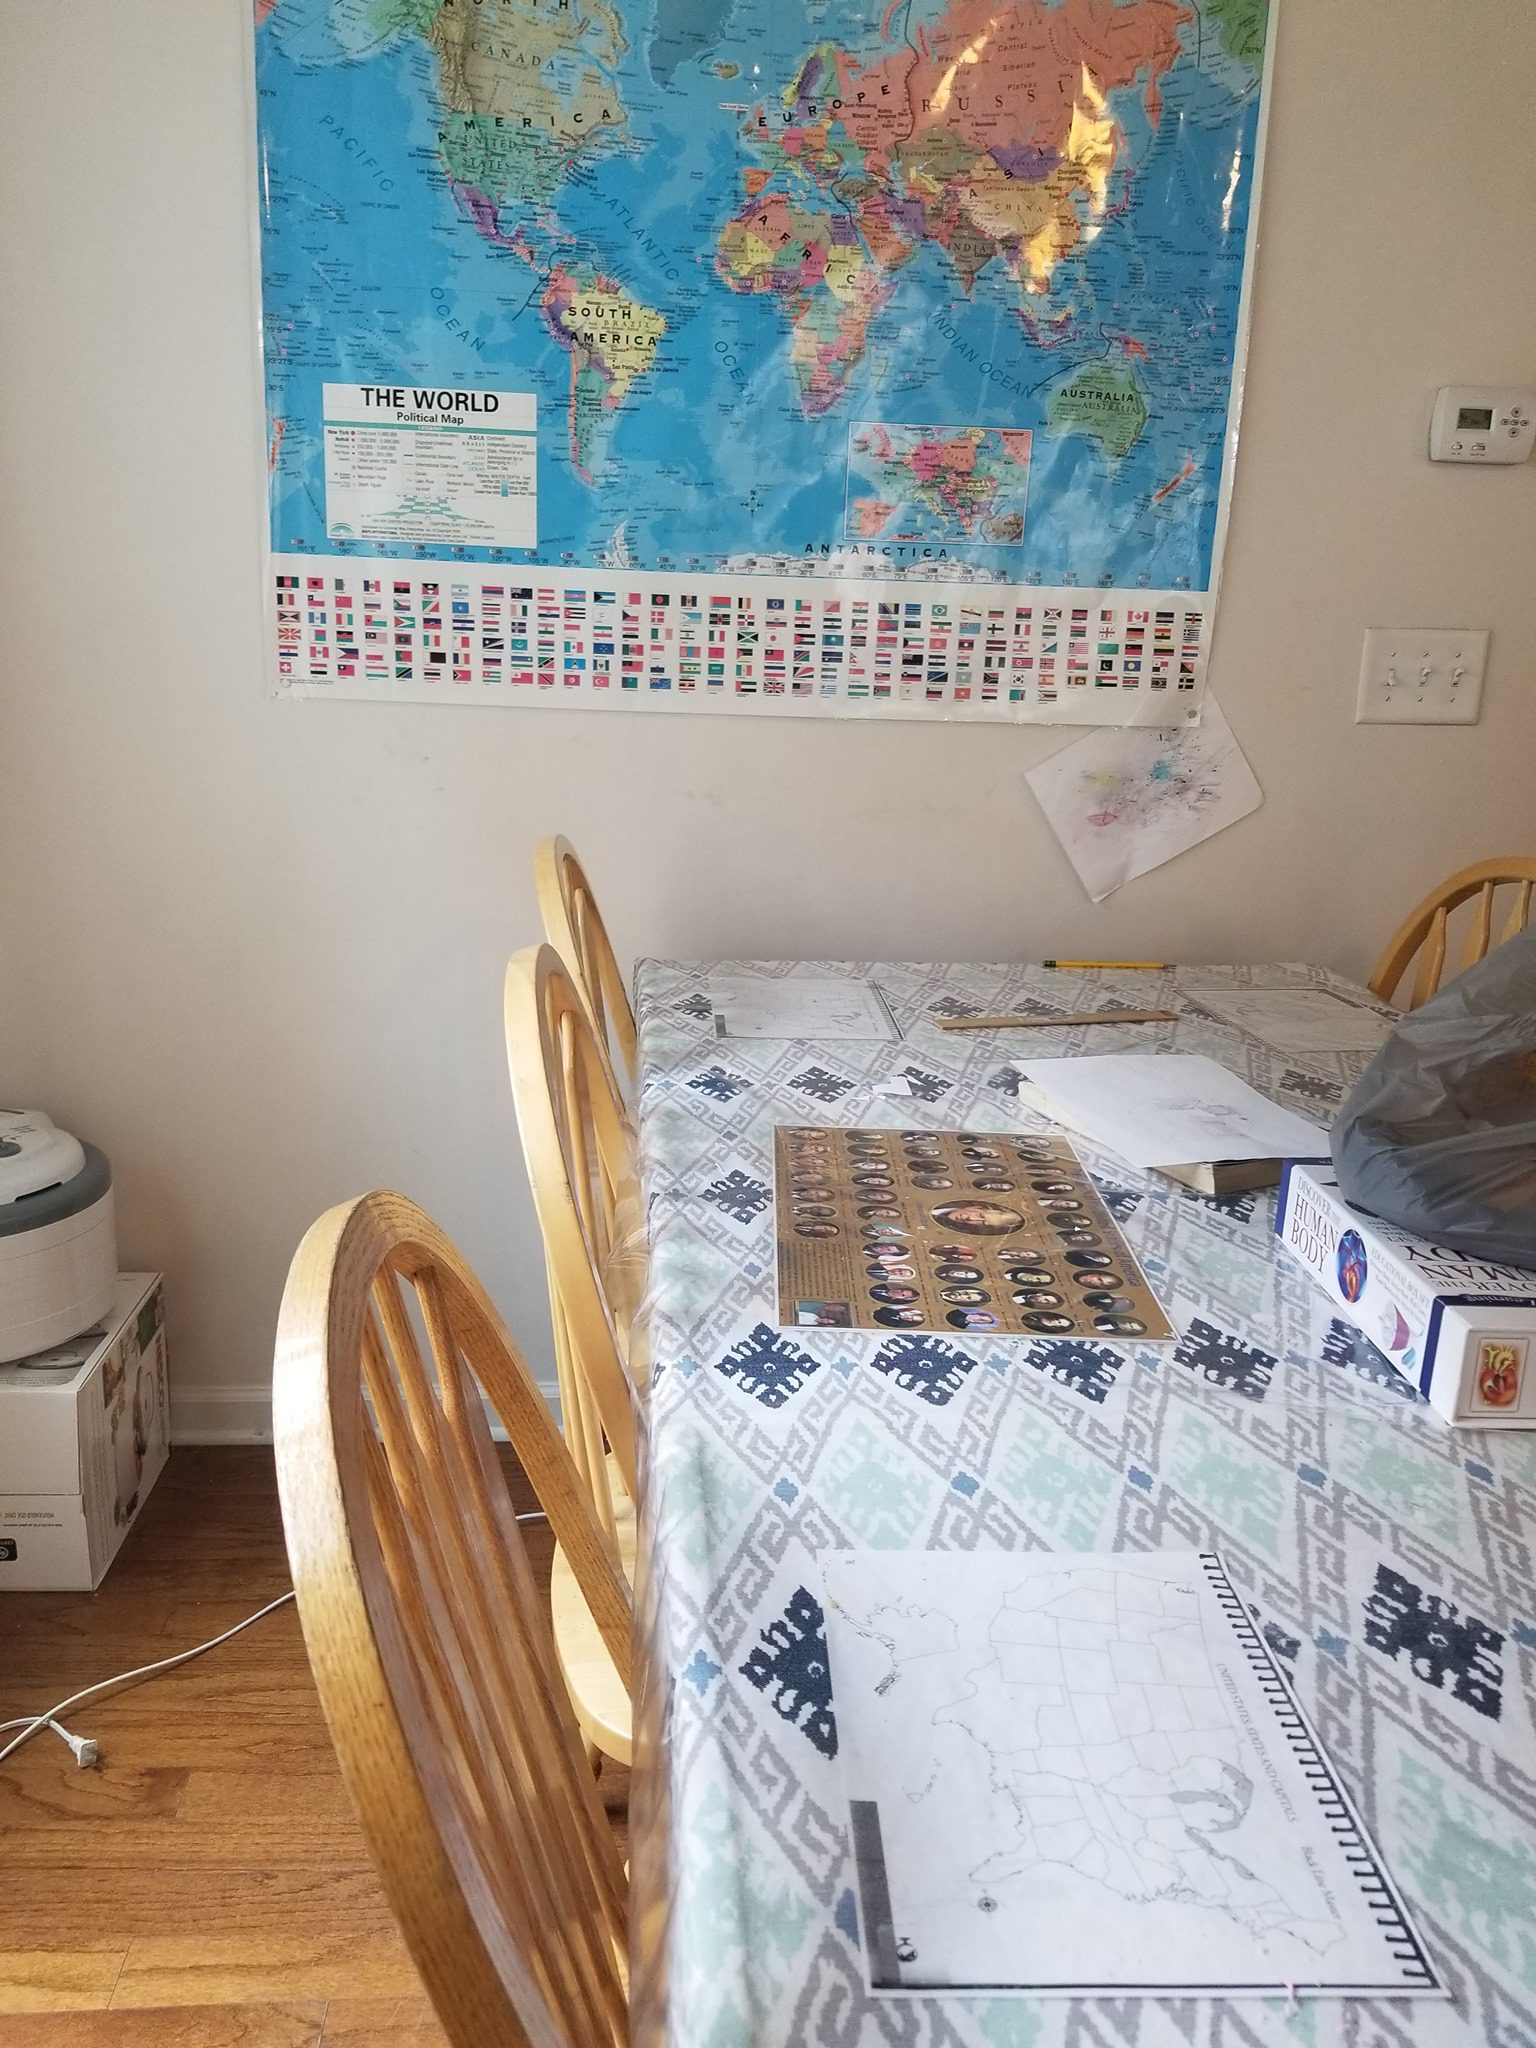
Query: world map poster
[(794, 355)]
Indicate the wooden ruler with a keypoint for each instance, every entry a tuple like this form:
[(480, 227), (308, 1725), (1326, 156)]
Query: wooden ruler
[(1058, 1023)]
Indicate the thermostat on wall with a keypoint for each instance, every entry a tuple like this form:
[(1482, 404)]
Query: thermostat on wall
[(1482, 423)]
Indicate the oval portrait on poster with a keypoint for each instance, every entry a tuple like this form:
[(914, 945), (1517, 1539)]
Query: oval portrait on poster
[(980, 1219)]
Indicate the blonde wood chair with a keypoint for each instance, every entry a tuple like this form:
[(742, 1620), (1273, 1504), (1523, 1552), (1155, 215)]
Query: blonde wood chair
[(430, 1647), (574, 927), (1425, 931), (581, 1169)]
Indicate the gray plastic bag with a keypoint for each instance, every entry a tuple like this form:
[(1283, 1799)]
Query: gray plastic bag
[(1439, 1134)]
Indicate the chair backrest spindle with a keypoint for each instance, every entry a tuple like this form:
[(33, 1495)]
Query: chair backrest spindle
[(1519, 912)]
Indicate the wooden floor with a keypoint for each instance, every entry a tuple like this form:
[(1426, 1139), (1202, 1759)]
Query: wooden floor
[(207, 1885)]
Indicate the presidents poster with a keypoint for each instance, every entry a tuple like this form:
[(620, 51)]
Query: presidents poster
[(794, 355), (951, 1230)]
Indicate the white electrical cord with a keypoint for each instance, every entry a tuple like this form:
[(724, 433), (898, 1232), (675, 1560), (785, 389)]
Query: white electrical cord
[(86, 1751)]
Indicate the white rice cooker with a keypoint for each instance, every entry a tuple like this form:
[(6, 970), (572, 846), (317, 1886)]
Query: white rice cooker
[(58, 1248)]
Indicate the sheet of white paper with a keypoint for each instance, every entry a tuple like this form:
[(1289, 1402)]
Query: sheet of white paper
[(1126, 799), (1075, 1774), (751, 1006), (1297, 1019), (1169, 1109)]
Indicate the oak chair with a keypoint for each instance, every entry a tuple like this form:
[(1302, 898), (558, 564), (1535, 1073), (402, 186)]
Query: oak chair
[(581, 1169), (1424, 931), (432, 1653), (574, 927)]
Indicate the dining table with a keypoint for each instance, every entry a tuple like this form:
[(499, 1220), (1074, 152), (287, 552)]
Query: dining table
[(1384, 1556)]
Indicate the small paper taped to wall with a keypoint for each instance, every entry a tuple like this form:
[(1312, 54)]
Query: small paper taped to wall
[(1124, 801)]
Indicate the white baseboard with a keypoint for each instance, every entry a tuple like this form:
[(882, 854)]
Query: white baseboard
[(221, 1415), (243, 1415)]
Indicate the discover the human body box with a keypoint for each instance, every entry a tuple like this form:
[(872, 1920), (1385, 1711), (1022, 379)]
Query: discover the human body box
[(1462, 1330), (83, 1438)]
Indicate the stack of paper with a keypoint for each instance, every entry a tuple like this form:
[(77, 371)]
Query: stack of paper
[(1175, 1112), (1296, 1019), (753, 1006)]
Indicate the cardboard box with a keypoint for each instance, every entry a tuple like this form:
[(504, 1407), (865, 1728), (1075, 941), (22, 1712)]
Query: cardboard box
[(83, 1438), (1462, 1330)]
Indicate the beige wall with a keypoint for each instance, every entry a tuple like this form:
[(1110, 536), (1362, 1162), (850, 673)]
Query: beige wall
[(254, 948)]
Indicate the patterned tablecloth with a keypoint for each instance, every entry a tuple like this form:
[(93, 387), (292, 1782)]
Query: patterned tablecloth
[(1386, 1558)]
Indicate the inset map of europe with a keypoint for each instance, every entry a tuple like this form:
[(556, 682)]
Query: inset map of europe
[(949, 287)]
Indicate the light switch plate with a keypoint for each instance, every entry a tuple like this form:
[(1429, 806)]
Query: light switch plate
[(1413, 676)]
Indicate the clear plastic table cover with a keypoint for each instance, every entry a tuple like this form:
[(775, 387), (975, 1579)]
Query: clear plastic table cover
[(1385, 1557)]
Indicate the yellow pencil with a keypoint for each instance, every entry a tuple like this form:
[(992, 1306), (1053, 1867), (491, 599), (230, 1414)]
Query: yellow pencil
[(1152, 966)]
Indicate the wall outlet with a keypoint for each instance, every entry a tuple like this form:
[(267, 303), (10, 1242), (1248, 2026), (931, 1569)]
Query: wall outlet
[(1409, 676)]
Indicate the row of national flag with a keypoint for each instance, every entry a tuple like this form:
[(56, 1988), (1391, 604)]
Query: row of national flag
[(742, 640)]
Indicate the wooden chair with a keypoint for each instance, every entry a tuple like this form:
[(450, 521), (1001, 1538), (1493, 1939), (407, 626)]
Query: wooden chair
[(430, 1646), (574, 927), (1424, 931), (581, 1168)]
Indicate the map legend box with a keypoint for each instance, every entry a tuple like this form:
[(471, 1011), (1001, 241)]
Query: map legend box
[(410, 463)]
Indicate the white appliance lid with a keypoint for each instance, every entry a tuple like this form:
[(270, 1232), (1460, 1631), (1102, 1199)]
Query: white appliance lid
[(34, 1154)]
